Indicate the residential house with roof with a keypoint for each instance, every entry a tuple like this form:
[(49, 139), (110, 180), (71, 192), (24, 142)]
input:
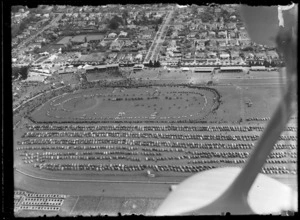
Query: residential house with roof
[(123, 34), (40, 39), (243, 34), (222, 34), (232, 34), (235, 55), (146, 35), (211, 34), (116, 46), (203, 34), (230, 26), (222, 43), (212, 55), (112, 35), (192, 34)]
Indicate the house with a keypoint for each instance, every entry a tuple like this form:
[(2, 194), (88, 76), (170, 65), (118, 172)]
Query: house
[(232, 42), (235, 55), (146, 35), (224, 56), (143, 28), (192, 35), (40, 39), (233, 17), (231, 25), (123, 34), (217, 10), (35, 45), (212, 34), (222, 34), (84, 45), (243, 35), (200, 55), (200, 44), (201, 10), (116, 46), (222, 43), (139, 57), (231, 34), (131, 26), (112, 35), (212, 55), (203, 34), (244, 42)]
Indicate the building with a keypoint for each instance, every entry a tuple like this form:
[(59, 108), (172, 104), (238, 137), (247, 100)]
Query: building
[(112, 35), (204, 69), (101, 68), (231, 69)]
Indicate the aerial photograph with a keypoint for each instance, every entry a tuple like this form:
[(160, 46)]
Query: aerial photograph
[(154, 110)]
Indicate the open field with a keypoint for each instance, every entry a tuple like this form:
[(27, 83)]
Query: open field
[(130, 191), (80, 38), (93, 57)]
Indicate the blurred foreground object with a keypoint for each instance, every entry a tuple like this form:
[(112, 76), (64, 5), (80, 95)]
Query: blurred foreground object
[(263, 22), (246, 191)]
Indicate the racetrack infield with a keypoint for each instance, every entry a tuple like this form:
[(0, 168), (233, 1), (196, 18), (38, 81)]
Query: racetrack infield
[(130, 104)]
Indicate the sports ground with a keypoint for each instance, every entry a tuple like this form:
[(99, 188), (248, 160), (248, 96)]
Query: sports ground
[(95, 191)]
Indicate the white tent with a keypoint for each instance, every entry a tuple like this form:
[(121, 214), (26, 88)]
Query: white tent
[(224, 55), (185, 69)]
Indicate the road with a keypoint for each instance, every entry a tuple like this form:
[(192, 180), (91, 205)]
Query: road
[(22, 46), (162, 32), (158, 39)]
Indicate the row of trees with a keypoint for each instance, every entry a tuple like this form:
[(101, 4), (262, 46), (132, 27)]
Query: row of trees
[(156, 63)]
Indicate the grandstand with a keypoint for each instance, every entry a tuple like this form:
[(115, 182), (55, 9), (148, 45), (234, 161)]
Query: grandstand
[(101, 68), (204, 69), (231, 69)]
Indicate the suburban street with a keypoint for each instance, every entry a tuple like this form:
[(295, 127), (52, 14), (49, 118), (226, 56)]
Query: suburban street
[(22, 46), (159, 39)]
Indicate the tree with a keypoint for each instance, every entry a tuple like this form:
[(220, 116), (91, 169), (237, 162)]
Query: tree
[(151, 63), (125, 15), (158, 63), (156, 28), (114, 25), (36, 50), (22, 26)]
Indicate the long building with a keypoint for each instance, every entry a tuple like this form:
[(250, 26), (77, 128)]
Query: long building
[(231, 69), (204, 69), (101, 68)]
